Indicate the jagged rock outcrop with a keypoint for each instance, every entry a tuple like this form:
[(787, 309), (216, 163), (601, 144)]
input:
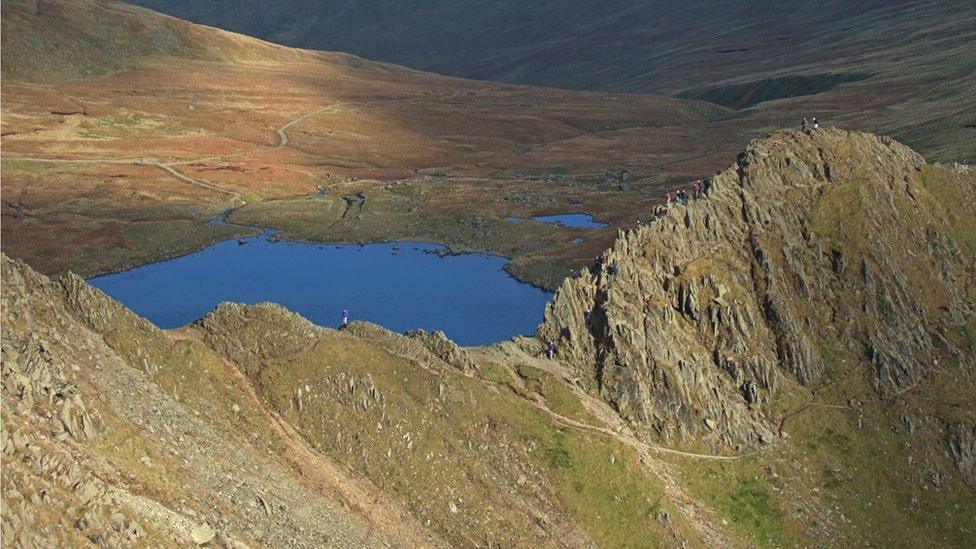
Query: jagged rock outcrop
[(332, 437), (443, 348), (810, 250), (962, 448), (430, 349), (249, 335), (36, 385), (105, 443)]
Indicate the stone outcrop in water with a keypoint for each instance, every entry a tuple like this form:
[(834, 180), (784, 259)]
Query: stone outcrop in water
[(812, 250)]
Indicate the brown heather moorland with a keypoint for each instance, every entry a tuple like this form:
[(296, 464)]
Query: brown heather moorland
[(126, 132)]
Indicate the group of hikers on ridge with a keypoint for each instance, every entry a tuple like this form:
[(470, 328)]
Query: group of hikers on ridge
[(808, 126), (699, 189)]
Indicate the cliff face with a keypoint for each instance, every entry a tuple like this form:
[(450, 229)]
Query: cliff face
[(812, 252)]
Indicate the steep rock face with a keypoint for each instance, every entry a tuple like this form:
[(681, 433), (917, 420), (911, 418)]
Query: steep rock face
[(812, 248)]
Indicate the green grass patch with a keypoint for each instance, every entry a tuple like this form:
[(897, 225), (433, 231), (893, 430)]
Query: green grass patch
[(740, 493), (559, 397)]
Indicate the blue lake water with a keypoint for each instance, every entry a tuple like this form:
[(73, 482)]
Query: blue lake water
[(571, 220), (401, 286)]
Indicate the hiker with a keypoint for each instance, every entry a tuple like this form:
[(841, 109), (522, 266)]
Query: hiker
[(696, 189), (683, 197), (804, 125), (345, 317), (706, 186), (550, 350), (816, 123), (668, 197)]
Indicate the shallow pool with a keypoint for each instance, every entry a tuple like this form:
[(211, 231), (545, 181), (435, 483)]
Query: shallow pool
[(571, 220), (401, 286)]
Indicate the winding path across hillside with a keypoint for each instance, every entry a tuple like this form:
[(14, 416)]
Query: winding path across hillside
[(166, 167), (169, 167)]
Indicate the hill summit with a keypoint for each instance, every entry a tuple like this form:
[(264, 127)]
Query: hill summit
[(812, 253)]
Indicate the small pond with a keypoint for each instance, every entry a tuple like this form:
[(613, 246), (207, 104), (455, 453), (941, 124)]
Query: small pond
[(571, 220), (401, 286)]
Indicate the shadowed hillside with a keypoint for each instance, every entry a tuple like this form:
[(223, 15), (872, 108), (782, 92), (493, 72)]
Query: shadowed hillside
[(774, 365), (903, 68)]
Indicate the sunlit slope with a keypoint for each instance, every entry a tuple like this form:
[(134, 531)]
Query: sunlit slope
[(126, 131), (57, 41)]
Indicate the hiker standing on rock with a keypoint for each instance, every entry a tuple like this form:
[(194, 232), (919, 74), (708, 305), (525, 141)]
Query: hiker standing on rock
[(697, 189), (668, 197), (816, 123), (550, 350), (804, 125), (345, 317), (706, 186)]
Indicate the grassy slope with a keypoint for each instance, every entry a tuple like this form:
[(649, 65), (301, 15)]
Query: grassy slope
[(473, 460), (555, 43), (474, 476)]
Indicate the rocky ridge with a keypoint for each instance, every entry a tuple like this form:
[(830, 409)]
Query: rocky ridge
[(811, 250), (817, 261), (104, 442)]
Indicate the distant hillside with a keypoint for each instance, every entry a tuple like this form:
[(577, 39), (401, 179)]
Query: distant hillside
[(911, 62), (661, 45), (54, 41)]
